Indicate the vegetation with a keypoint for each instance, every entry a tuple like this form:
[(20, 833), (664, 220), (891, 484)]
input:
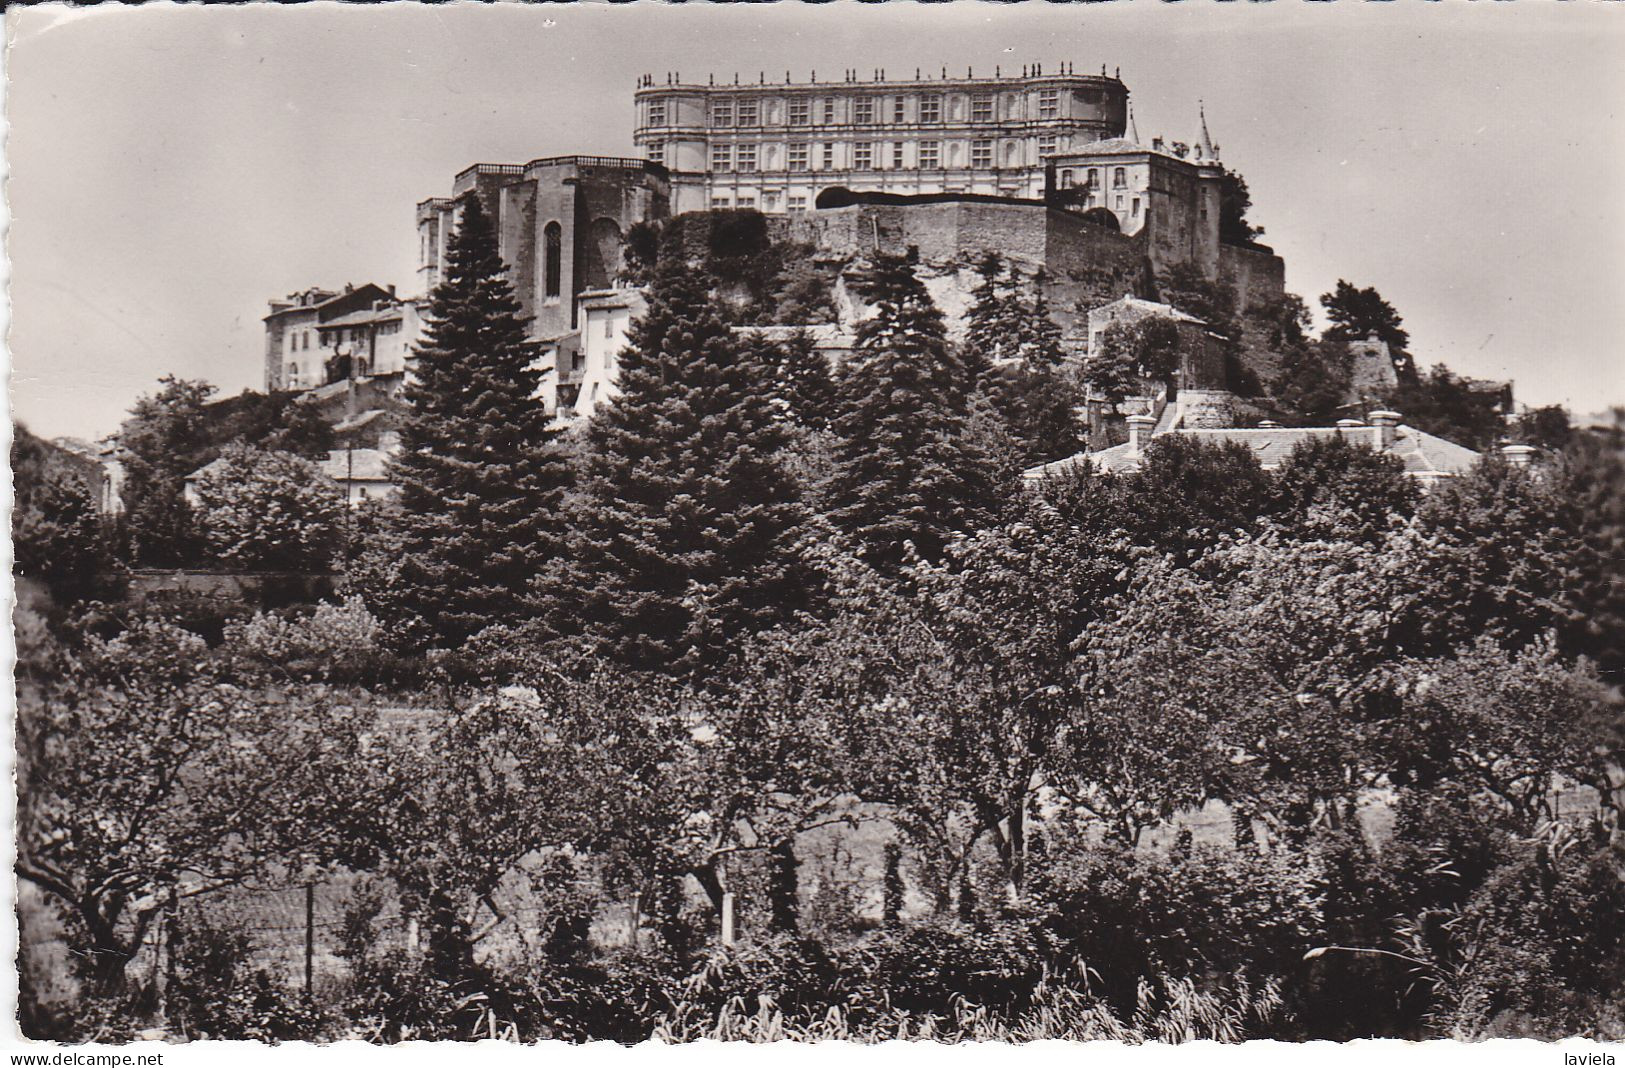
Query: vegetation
[(1200, 751)]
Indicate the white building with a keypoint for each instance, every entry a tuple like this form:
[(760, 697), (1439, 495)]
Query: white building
[(776, 147)]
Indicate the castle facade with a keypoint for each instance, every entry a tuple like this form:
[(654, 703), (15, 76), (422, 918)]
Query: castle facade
[(775, 147)]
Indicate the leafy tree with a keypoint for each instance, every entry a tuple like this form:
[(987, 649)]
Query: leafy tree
[(480, 475), (1548, 428), (1500, 547), (1356, 314), (166, 437), (1445, 405), (1131, 353), (142, 775), (1234, 203), (681, 536), (1331, 488), (902, 476), (56, 533), (270, 511), (1591, 474), (1312, 380)]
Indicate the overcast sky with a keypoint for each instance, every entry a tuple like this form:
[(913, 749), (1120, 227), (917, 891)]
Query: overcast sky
[(171, 169)]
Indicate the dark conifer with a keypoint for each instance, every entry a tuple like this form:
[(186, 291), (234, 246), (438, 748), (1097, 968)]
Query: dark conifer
[(903, 472), (681, 537), (804, 382), (480, 473)]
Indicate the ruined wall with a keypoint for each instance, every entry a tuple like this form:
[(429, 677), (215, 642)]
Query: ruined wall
[(1257, 276)]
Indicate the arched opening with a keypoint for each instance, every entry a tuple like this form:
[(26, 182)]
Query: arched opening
[(553, 256)]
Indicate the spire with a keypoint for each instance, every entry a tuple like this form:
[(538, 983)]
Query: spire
[(1208, 151), (1133, 132)]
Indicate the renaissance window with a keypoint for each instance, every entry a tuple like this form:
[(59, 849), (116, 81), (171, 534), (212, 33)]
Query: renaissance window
[(1066, 179), (930, 155), (981, 107), (899, 109), (797, 203), (897, 156), (1049, 103), (1094, 177), (798, 157), (657, 151), (863, 156), (722, 113), (1046, 146), (722, 157), (1119, 180), (931, 107), (747, 201), (981, 153), (863, 110), (746, 160), (801, 112), (657, 113), (829, 110), (748, 113), (721, 202), (829, 156)]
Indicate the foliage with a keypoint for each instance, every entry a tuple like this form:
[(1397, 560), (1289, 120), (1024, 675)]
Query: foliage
[(1132, 353), (681, 533), (1448, 406), (141, 774), (1330, 488), (56, 534), (480, 475), (334, 642), (1356, 314), (269, 511), (1234, 202), (904, 479), (166, 438)]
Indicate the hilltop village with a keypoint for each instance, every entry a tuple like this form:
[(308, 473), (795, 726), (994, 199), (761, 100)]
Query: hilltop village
[(1044, 168), (888, 560)]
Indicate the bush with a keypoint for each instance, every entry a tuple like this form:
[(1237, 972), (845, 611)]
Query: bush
[(335, 643)]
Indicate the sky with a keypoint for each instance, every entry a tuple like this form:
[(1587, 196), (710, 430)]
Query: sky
[(171, 169)]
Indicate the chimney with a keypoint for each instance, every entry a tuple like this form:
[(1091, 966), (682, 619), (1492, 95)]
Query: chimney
[(1518, 455), (1139, 432), (1384, 426)]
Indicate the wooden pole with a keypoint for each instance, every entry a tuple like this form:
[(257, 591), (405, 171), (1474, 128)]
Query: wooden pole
[(310, 935), (728, 918)]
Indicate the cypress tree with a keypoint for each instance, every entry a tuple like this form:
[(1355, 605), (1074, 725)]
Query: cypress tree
[(681, 535), (903, 472), (480, 473)]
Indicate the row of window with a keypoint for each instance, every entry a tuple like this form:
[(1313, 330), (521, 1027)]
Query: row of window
[(1092, 178), (770, 201), (866, 155), (865, 110)]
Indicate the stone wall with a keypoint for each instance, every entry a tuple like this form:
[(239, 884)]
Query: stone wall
[(1256, 275)]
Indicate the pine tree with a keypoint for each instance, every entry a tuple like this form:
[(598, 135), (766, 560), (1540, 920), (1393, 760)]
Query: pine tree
[(681, 538), (904, 475), (480, 474), (804, 383)]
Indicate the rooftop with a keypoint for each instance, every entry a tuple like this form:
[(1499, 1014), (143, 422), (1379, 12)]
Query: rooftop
[(1424, 455)]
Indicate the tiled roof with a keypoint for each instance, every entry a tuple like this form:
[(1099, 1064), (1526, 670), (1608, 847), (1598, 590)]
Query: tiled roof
[(363, 316), (1423, 454), (361, 465), (1150, 307)]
